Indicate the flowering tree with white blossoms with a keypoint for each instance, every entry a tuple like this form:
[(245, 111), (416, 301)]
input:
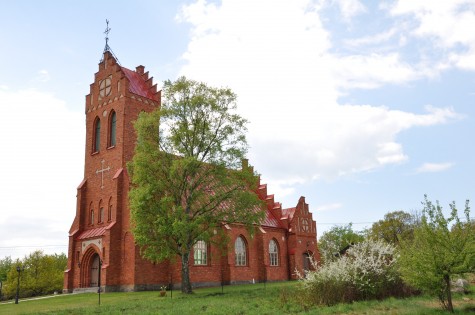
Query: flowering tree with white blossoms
[(366, 271)]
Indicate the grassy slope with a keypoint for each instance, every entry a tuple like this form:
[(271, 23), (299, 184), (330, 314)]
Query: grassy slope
[(277, 298)]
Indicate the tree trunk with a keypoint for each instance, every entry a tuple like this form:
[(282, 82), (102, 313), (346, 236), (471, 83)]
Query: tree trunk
[(450, 306), (185, 274)]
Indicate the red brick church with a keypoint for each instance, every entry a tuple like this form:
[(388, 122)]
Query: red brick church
[(101, 244)]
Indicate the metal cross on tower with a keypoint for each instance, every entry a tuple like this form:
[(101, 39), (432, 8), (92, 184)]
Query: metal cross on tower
[(107, 47), (102, 170), (108, 29)]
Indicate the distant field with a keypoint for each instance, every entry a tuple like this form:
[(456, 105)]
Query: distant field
[(276, 298)]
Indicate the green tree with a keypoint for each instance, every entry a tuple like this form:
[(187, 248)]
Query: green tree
[(5, 266), (338, 238), (40, 274), (186, 181), (396, 225), (442, 247)]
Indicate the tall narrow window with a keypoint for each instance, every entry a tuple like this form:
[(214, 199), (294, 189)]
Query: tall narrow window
[(112, 123), (91, 218), (97, 135), (109, 212), (273, 253), (240, 252), (100, 218), (200, 253)]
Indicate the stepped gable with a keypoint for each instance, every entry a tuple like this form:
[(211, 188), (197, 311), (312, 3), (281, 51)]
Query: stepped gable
[(273, 209), (140, 84)]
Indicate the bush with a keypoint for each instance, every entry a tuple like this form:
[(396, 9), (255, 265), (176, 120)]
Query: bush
[(366, 271)]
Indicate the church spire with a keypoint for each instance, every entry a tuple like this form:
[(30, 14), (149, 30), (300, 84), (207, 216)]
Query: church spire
[(107, 47)]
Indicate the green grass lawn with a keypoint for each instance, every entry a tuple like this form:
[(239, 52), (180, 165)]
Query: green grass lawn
[(276, 298)]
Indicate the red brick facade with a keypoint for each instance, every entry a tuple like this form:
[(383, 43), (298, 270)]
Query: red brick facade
[(101, 228)]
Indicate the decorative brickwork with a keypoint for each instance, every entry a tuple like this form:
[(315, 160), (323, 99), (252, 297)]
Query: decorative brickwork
[(107, 234)]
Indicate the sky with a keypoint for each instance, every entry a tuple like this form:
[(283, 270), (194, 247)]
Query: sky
[(360, 106)]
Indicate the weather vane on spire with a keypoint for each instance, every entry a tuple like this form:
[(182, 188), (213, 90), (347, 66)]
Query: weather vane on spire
[(108, 29), (107, 48)]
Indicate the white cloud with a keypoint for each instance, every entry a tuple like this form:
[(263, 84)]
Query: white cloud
[(448, 21), (464, 60), (329, 207), (447, 24), (41, 164), (434, 167), (43, 76), (350, 8), (279, 63), (372, 39), (374, 70)]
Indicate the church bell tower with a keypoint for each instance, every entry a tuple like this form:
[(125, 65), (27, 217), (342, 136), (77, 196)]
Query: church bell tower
[(101, 247)]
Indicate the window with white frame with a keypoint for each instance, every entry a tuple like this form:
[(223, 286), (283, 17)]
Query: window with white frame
[(240, 252), (273, 253), (200, 251)]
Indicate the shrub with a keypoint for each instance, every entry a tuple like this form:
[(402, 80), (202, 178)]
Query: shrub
[(366, 271)]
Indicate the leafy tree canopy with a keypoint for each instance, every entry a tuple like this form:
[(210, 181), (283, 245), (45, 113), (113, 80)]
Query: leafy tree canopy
[(442, 248), (5, 265), (186, 181), (396, 225), (338, 238)]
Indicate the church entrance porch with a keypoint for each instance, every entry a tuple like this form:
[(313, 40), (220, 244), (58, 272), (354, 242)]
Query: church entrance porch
[(89, 271)]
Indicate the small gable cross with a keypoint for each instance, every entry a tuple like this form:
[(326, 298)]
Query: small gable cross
[(102, 170)]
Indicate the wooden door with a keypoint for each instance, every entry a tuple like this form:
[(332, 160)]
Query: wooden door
[(95, 271)]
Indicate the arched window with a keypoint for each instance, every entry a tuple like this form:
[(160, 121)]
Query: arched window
[(97, 135), (240, 251), (273, 253), (112, 128), (91, 218), (200, 253), (109, 212), (101, 212)]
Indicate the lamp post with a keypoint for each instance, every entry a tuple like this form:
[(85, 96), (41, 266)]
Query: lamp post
[(99, 281), (79, 267), (18, 269)]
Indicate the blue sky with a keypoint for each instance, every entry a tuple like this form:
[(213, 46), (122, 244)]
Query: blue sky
[(360, 106)]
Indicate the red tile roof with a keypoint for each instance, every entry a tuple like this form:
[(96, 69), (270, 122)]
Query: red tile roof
[(288, 213), (270, 220), (137, 84), (94, 232)]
